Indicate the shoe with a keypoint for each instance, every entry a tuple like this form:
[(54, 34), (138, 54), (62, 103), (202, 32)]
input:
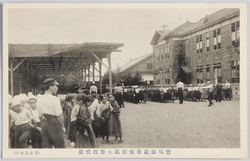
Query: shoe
[(120, 141)]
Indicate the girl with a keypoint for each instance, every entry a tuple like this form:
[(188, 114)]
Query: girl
[(114, 124), (84, 134), (103, 112)]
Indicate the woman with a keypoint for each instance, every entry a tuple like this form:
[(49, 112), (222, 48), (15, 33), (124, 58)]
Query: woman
[(84, 134), (114, 124), (103, 112)]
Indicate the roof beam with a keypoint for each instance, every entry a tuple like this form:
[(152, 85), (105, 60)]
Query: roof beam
[(98, 59)]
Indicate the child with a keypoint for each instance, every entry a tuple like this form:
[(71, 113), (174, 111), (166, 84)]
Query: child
[(84, 134), (22, 119), (36, 135), (103, 112), (114, 124)]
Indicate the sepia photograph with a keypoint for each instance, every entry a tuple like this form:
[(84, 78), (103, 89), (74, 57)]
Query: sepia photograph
[(99, 80)]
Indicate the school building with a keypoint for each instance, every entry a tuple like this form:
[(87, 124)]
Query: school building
[(208, 50)]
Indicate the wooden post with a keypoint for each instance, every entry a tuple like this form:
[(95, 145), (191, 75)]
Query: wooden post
[(88, 75), (100, 78), (93, 73), (11, 78), (110, 73)]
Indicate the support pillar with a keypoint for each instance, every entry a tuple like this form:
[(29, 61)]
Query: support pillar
[(110, 73), (88, 75), (100, 72), (93, 73)]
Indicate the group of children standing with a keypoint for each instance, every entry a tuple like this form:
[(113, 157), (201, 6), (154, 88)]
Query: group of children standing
[(90, 116)]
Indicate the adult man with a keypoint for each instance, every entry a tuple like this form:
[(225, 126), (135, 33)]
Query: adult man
[(93, 89), (180, 88), (228, 91), (210, 91), (51, 115)]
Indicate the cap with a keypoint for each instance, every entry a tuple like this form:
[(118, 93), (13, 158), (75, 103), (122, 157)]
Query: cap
[(50, 81), (31, 96), (16, 101)]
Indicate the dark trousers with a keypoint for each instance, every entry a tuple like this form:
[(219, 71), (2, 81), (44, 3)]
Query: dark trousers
[(36, 137), (52, 134), (180, 95), (22, 134), (210, 98)]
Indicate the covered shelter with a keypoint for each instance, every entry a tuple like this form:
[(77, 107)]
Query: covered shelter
[(31, 64)]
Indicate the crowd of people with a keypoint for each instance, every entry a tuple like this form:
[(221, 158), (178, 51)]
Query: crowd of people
[(170, 93), (43, 121)]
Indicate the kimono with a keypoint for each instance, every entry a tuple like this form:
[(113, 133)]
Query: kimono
[(84, 134), (103, 112), (114, 124)]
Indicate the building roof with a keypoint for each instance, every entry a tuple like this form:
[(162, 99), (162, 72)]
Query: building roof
[(135, 61), (189, 27), (47, 50), (159, 35), (211, 19)]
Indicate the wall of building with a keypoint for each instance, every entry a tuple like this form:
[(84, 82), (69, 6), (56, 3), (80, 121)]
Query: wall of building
[(223, 56), (141, 68)]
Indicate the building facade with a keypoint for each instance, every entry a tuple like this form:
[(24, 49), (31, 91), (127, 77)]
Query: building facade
[(207, 50), (143, 65)]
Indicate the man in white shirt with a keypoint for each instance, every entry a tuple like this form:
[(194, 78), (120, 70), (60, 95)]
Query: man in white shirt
[(93, 89), (180, 88), (50, 111)]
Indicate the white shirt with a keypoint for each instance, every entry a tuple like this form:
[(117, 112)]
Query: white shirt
[(49, 104), (21, 118), (228, 85), (35, 115), (101, 107), (180, 85), (92, 108), (93, 89), (74, 112)]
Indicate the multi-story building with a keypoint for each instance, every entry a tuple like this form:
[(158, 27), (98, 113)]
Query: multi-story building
[(207, 50)]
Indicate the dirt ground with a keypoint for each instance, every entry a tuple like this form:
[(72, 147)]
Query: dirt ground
[(174, 125)]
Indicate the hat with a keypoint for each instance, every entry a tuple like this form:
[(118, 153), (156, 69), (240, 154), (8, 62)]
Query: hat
[(50, 81), (31, 96), (208, 82), (16, 101)]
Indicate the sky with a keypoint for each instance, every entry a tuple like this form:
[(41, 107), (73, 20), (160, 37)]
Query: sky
[(134, 27)]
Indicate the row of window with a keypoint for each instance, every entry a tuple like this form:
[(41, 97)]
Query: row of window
[(217, 41), (235, 30)]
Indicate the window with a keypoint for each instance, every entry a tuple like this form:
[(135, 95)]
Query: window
[(200, 43), (235, 71), (217, 74), (149, 66), (207, 43), (235, 29), (208, 73), (215, 39), (199, 74), (219, 38), (197, 44), (167, 77)]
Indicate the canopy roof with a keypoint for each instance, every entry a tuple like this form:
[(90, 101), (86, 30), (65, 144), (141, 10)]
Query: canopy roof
[(62, 56)]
